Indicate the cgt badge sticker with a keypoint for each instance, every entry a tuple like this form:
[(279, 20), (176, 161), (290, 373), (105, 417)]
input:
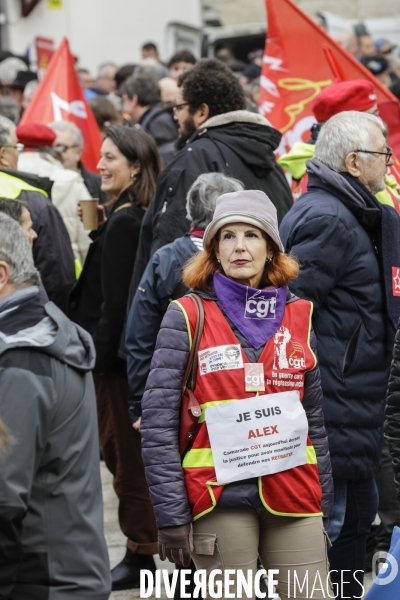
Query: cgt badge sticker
[(220, 358)]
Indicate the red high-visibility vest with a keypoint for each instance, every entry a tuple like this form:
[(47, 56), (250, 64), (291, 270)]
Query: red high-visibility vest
[(286, 357)]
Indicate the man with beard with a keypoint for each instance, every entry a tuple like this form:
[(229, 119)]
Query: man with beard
[(215, 134)]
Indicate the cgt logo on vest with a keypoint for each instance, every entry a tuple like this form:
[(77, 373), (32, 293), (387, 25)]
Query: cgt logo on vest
[(260, 305), (288, 354)]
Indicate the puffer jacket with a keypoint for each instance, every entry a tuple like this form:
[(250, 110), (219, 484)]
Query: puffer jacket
[(160, 425), (340, 274), (392, 413)]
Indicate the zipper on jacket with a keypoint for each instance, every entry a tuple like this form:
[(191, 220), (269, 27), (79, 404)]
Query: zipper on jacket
[(164, 206)]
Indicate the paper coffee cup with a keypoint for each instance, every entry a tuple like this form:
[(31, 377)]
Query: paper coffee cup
[(89, 213)]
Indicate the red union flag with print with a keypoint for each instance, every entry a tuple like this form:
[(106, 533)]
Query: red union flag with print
[(300, 60), (59, 97)]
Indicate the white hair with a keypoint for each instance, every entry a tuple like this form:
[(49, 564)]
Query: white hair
[(9, 69), (103, 68), (16, 252), (77, 137), (344, 133), (7, 127), (203, 194)]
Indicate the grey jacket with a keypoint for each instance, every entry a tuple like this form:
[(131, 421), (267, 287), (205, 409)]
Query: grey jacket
[(160, 425), (51, 512)]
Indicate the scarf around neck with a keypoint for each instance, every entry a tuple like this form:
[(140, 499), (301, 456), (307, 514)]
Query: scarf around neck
[(256, 313), (385, 234)]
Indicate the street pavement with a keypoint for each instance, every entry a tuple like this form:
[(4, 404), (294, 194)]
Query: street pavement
[(116, 540)]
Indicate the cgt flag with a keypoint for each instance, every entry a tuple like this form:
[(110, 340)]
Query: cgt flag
[(60, 98), (300, 60)]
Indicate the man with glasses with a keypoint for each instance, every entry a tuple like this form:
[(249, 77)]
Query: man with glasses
[(348, 245), (52, 251), (69, 145), (359, 95)]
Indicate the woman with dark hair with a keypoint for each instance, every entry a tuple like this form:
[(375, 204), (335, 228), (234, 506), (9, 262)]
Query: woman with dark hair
[(238, 486), (129, 165)]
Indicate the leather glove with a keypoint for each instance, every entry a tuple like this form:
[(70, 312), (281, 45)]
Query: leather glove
[(176, 544)]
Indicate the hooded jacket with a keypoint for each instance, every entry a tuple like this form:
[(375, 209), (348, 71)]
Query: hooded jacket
[(160, 424), (340, 274), (51, 511), (238, 144)]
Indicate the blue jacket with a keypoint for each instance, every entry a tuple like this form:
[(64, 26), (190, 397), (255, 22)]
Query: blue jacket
[(160, 283), (160, 425), (340, 274)]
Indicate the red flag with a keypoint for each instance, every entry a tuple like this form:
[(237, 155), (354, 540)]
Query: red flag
[(59, 97), (300, 60)]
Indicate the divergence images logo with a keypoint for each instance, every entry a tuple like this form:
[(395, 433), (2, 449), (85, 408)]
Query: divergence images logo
[(387, 570), (232, 353), (260, 305), (287, 353)]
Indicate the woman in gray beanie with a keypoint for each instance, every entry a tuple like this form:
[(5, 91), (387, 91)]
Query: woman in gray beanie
[(251, 476)]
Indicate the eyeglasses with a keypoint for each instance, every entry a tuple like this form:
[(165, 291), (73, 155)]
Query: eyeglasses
[(178, 107), (388, 154), (18, 147), (63, 147)]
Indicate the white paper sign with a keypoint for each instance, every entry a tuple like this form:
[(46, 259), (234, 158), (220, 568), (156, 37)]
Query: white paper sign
[(257, 436)]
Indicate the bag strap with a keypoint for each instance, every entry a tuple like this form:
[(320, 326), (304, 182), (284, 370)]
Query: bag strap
[(189, 377)]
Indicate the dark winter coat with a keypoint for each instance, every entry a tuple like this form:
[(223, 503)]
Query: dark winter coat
[(51, 510), (161, 283), (98, 301), (340, 274), (160, 425), (239, 144), (159, 122), (392, 413), (52, 251)]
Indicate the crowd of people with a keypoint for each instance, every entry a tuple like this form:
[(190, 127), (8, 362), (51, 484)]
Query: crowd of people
[(116, 342)]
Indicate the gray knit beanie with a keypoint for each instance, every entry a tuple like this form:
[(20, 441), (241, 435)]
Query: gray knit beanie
[(247, 206)]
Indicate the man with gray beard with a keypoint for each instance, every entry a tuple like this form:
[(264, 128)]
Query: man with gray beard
[(348, 246)]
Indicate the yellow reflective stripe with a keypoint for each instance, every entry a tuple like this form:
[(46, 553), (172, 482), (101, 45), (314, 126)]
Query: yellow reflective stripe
[(209, 485), (281, 514), (11, 187), (198, 457), (311, 456), (78, 268), (212, 403), (309, 336), (187, 321)]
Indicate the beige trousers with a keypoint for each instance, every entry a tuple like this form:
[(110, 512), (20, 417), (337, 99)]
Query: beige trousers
[(233, 538)]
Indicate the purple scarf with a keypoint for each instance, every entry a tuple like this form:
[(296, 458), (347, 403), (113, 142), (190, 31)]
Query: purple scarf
[(257, 314)]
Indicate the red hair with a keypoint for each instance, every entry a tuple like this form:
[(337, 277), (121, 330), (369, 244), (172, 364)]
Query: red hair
[(197, 272)]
